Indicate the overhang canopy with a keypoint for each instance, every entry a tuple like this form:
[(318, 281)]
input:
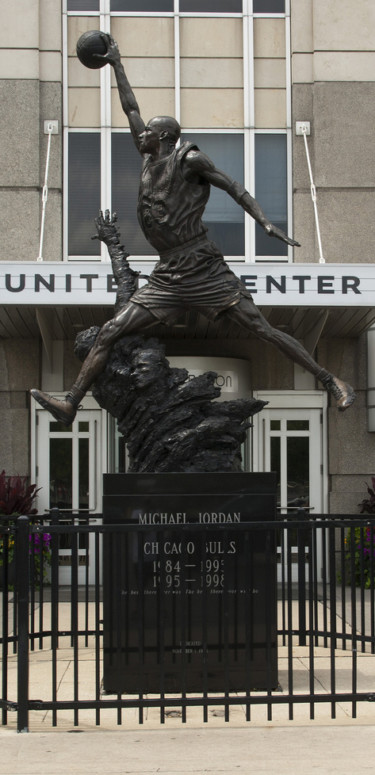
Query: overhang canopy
[(305, 300)]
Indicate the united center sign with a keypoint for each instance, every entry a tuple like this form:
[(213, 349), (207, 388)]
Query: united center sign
[(91, 283)]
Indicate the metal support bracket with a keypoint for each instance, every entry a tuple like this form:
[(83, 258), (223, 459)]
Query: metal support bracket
[(303, 128)]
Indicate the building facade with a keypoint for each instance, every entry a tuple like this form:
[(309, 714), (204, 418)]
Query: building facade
[(264, 87)]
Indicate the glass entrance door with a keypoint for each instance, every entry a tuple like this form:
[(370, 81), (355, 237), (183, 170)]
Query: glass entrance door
[(69, 474), (291, 442)]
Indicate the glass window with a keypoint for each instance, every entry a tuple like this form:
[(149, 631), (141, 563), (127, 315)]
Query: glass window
[(83, 192), (297, 425), (269, 6), (157, 6), (60, 473), (223, 216), (298, 466), (83, 5), (210, 6), (83, 473), (59, 427), (271, 190), (142, 5), (126, 171), (297, 469)]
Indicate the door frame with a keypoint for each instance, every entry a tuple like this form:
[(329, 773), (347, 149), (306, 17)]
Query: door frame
[(300, 401), (294, 399), (99, 465)]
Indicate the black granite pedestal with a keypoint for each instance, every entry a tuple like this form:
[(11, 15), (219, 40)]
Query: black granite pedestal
[(189, 583)]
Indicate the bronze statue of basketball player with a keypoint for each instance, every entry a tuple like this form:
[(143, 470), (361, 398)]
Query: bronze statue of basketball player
[(191, 273)]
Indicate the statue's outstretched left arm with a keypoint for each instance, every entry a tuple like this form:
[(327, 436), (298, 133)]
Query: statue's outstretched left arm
[(126, 278), (198, 165)]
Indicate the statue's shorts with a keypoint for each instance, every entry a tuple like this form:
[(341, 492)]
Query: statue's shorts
[(193, 276)]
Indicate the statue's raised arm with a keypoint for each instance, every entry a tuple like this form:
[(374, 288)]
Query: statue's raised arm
[(199, 166), (128, 101)]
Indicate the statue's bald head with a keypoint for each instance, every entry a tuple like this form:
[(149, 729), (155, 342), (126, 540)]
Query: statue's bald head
[(168, 124)]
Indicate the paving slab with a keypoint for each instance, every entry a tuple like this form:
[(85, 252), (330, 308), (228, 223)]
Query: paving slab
[(305, 659), (283, 750)]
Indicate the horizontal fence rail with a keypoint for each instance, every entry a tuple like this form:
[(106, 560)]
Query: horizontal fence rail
[(161, 645)]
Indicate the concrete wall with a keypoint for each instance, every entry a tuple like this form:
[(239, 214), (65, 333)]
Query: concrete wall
[(333, 75), (351, 447), (30, 92), (19, 370), (333, 86)]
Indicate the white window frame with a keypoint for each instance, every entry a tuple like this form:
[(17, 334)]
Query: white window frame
[(249, 130), (299, 401), (294, 399), (40, 434)]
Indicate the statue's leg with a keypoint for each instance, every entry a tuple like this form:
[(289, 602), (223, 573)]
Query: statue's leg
[(247, 315), (132, 318)]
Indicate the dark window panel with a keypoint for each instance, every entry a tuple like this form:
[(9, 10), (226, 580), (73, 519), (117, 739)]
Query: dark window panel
[(83, 473), (223, 216), (269, 6), (192, 6), (126, 170), (298, 469), (61, 473), (83, 192), (271, 190), (83, 5), (142, 5), (211, 6)]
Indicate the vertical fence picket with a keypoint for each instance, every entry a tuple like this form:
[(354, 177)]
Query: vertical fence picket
[(31, 561), (362, 585), (249, 618), (226, 614), (204, 628), (311, 583), (42, 569), (74, 623), (324, 584), (315, 591), (97, 626), (5, 630), (141, 623), (343, 574), (161, 633), (353, 621), (372, 590), (185, 634), (332, 598), (290, 624), (87, 565), (22, 590), (347, 605), (283, 584), (269, 589), (54, 608), (301, 564)]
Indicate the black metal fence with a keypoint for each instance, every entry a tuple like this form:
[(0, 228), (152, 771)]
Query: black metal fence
[(325, 613)]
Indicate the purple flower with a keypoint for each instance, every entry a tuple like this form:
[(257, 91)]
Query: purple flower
[(39, 543)]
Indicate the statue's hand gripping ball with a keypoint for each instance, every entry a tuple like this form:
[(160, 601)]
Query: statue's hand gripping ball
[(91, 43)]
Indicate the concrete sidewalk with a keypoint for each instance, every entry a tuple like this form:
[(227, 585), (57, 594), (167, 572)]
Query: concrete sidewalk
[(268, 751), (40, 687), (84, 666), (342, 745)]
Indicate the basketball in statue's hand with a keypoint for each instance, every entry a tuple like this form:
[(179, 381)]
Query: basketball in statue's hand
[(91, 43)]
